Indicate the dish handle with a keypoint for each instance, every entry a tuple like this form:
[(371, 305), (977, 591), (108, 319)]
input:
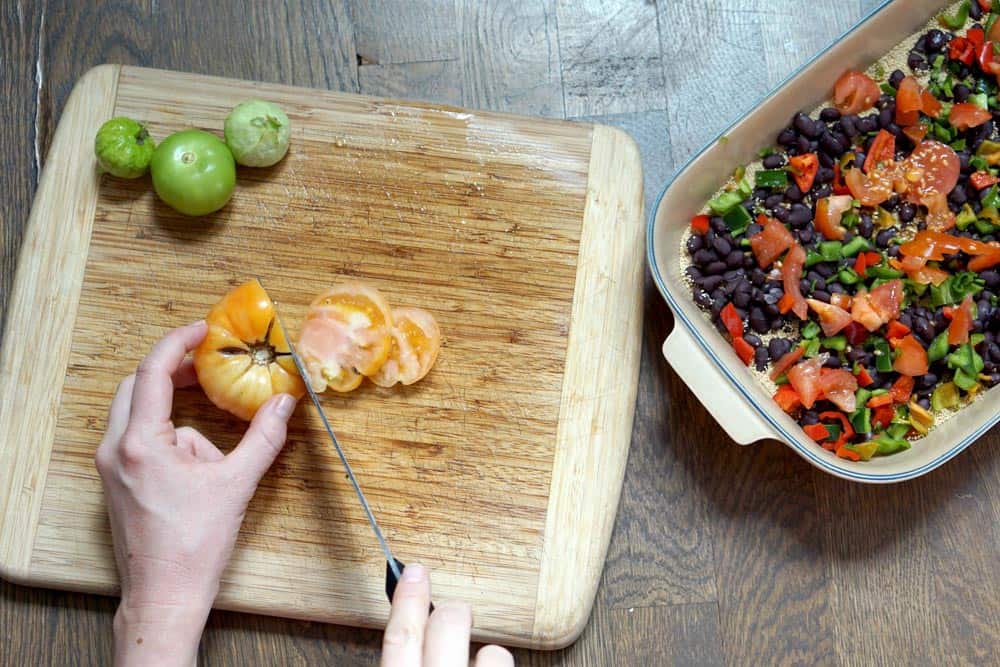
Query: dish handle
[(713, 389)]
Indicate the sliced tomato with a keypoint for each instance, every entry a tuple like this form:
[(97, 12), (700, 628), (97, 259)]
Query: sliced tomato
[(908, 102), (791, 273), (882, 150), (244, 359), (902, 388), (864, 313), (883, 416), (912, 359), (985, 261), (962, 49), (346, 335), (785, 362), (886, 299), (855, 92), (917, 270), (768, 244), (841, 300), (804, 169), (804, 377), (965, 115), (864, 379), (744, 350), (915, 133), (839, 187), (988, 60), (939, 216), (829, 212), (983, 179), (831, 318), (896, 329), (873, 189), (838, 385), (416, 342), (787, 398), (931, 106), (732, 321), (700, 224), (932, 168), (961, 323)]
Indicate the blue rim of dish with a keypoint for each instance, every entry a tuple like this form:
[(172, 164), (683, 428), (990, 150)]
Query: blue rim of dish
[(809, 452)]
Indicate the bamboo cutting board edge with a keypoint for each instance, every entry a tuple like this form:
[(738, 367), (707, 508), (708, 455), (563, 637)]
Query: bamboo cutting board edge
[(578, 519)]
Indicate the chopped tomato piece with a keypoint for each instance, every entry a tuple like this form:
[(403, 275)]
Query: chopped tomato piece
[(861, 265), (873, 189), (786, 303), (882, 150), (854, 332), (932, 168), (985, 5), (896, 329), (744, 350), (917, 270), (966, 115), (855, 92), (879, 401), (732, 321), (804, 377), (931, 106), (988, 58), (883, 416), (935, 245), (829, 212), (846, 430), (908, 102), (785, 362), (839, 386), (873, 257), (901, 389), (912, 359), (961, 323), (817, 432), (939, 216), (699, 224), (832, 318), (864, 379), (962, 49), (915, 133), (849, 454), (787, 398), (983, 179), (985, 261), (841, 300), (887, 298), (864, 313), (839, 187), (791, 272), (771, 241), (416, 343), (804, 168)]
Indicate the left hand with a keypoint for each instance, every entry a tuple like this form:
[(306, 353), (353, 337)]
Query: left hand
[(176, 503)]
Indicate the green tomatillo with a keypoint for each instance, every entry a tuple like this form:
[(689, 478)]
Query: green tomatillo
[(193, 172), (257, 132), (124, 148)]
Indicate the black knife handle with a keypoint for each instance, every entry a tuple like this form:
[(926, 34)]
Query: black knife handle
[(391, 580)]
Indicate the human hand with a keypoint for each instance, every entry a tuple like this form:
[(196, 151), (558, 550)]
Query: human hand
[(414, 638), (176, 503)]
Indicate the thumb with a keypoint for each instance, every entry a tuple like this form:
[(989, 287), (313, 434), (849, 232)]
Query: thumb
[(264, 439)]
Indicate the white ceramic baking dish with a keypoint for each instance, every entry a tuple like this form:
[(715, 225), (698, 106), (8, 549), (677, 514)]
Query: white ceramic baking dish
[(700, 355)]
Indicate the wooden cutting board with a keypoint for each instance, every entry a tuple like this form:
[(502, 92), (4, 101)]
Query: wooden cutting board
[(501, 470)]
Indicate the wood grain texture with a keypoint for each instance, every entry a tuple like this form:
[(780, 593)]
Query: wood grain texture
[(422, 30), (527, 247), (437, 81)]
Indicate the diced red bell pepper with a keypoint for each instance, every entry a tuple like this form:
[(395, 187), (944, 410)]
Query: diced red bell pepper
[(846, 432), (732, 321), (896, 329), (962, 49), (804, 168), (861, 265), (849, 454), (873, 258), (879, 401), (916, 133), (817, 432), (882, 416), (902, 389), (744, 350), (787, 398), (977, 36), (864, 379), (785, 303), (700, 224), (985, 5), (839, 187)]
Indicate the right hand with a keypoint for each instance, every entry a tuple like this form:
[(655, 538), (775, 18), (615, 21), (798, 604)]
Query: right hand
[(414, 638)]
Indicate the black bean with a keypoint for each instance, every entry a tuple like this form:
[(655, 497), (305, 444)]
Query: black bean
[(906, 320), (886, 116), (824, 190), (779, 347), (831, 145), (925, 403), (774, 200), (774, 161), (715, 267), (781, 213), (693, 272), (805, 235), (694, 243), (721, 246), (855, 354), (710, 283), (865, 227), (923, 328), (718, 225), (993, 350), (832, 361), (821, 295), (961, 92), (734, 259), (753, 229), (975, 11), (921, 44), (868, 123), (991, 277), (757, 277), (704, 257), (748, 261), (884, 237), (803, 145), (935, 40), (849, 125), (758, 320), (824, 175), (896, 78), (907, 212), (826, 161), (793, 193), (834, 287), (799, 215), (916, 61), (788, 137), (805, 125), (752, 339), (958, 196), (824, 270), (760, 359)]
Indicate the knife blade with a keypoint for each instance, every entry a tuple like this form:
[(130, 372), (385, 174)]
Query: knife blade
[(394, 568)]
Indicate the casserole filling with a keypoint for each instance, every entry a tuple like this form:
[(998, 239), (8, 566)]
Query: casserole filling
[(854, 266)]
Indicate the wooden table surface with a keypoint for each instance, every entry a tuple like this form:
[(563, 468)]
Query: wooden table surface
[(721, 554)]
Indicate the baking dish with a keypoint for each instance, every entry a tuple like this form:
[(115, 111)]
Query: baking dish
[(703, 359)]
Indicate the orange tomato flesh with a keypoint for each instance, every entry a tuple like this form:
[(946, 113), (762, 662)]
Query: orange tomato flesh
[(416, 342)]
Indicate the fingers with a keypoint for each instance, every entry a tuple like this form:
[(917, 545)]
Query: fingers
[(494, 656), (153, 396), (194, 443), (402, 643), (119, 411), (446, 642), (185, 376), (265, 437)]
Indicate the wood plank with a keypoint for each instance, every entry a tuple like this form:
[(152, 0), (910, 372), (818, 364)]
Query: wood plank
[(510, 56), (610, 56), (404, 31), (438, 81)]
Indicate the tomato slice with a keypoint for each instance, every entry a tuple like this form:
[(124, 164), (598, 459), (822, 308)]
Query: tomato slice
[(864, 313), (932, 168), (841, 300), (839, 386), (909, 102), (804, 169), (931, 106), (771, 241), (985, 261), (804, 377), (829, 212), (346, 335), (912, 359), (886, 299), (785, 362), (961, 323), (873, 189), (855, 92), (983, 179), (881, 152), (791, 272), (902, 389), (245, 358), (832, 318), (966, 115), (416, 342), (917, 270), (915, 133)]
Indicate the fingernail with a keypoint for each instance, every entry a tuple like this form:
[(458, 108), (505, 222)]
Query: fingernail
[(414, 573), (285, 406)]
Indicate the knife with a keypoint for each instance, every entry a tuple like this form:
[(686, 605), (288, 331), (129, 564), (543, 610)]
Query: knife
[(393, 567)]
